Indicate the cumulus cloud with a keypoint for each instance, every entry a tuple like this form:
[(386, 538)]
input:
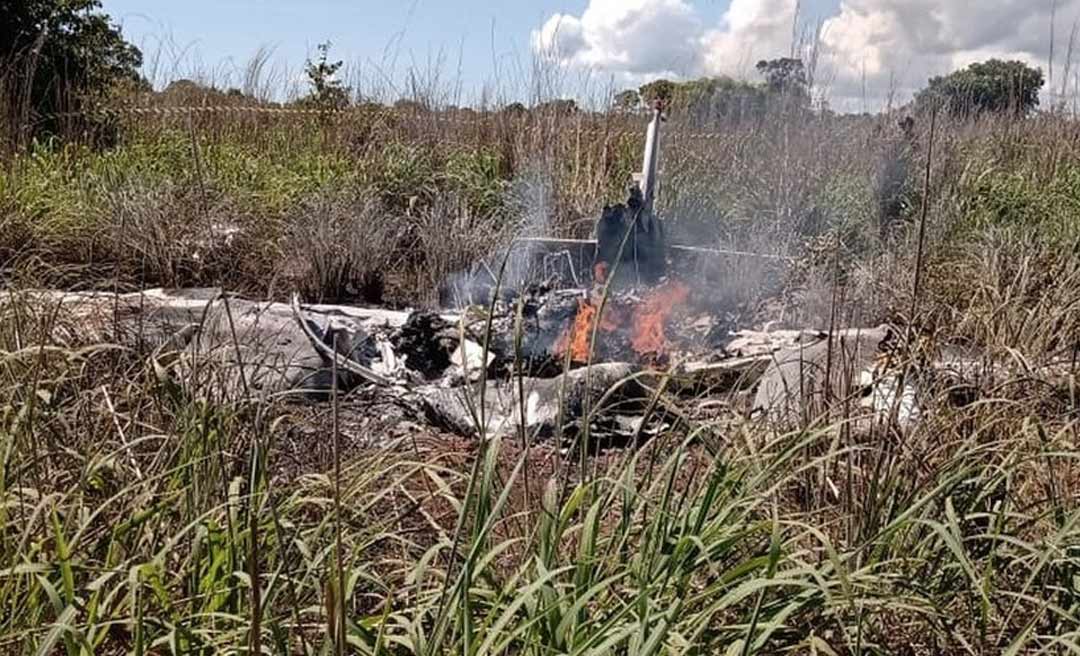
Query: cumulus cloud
[(751, 30), (896, 45), (627, 36), (868, 49)]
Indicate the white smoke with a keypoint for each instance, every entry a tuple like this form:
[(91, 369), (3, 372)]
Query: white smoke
[(529, 207), (531, 202)]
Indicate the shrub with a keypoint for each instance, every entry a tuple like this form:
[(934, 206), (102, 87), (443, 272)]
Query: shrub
[(339, 246)]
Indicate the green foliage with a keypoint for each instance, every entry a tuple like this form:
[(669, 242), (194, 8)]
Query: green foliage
[(557, 107), (721, 98), (657, 91), (403, 174), (626, 160), (184, 92), (327, 91), (70, 184), (993, 86), (55, 189), (63, 54), (1015, 200), (784, 76), (840, 216), (626, 101), (476, 176)]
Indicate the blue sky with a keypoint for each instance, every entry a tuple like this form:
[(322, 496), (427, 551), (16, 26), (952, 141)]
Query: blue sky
[(869, 49), (483, 36), (219, 30)]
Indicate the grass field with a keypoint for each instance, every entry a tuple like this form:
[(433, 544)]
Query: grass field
[(139, 516)]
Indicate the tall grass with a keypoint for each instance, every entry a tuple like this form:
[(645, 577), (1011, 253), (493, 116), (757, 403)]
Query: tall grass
[(775, 186)]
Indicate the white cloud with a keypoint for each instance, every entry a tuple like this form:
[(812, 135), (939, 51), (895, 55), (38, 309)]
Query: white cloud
[(896, 45), (561, 37), (870, 48), (751, 30), (653, 37)]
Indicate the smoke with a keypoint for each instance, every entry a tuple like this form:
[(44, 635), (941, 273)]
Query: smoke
[(530, 199), (528, 209)]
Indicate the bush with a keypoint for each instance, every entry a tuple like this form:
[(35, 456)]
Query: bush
[(339, 246), (60, 55)]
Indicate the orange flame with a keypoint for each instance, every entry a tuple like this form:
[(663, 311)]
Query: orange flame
[(647, 323), (647, 336), (578, 336)]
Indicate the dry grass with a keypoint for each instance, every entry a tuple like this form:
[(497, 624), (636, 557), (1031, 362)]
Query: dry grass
[(337, 248)]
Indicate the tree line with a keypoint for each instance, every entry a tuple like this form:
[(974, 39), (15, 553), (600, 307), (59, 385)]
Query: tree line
[(992, 86)]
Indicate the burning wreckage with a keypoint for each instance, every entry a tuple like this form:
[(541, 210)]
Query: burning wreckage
[(628, 351)]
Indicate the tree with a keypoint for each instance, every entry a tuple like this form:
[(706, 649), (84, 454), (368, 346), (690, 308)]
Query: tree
[(327, 91), (515, 109), (627, 100), (721, 98), (707, 99), (694, 93), (785, 76), (1006, 87), (61, 55), (558, 107), (409, 106), (657, 90)]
